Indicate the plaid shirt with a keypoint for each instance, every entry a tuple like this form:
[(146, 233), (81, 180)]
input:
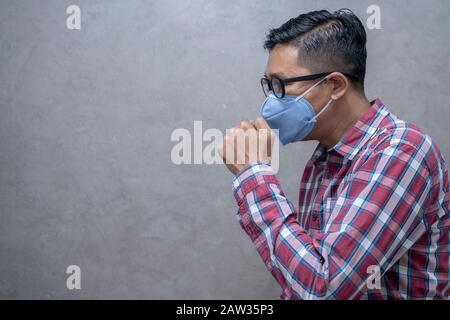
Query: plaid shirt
[(377, 201)]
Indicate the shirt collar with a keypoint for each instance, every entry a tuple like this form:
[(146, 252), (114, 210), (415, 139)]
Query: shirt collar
[(358, 135)]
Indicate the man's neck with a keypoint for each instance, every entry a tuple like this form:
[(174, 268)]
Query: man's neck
[(349, 111)]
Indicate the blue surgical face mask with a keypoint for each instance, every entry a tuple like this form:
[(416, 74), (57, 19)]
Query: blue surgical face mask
[(293, 116)]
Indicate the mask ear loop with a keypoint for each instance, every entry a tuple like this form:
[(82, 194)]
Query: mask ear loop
[(320, 112), (307, 91)]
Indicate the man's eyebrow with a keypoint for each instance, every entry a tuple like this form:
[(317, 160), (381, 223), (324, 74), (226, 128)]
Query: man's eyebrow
[(275, 74)]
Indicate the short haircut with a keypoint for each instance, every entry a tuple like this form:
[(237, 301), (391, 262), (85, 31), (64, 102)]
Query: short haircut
[(326, 42)]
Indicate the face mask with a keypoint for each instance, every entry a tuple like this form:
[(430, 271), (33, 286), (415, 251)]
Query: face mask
[(293, 116)]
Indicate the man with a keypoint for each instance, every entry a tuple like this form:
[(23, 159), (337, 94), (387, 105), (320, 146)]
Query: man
[(373, 215)]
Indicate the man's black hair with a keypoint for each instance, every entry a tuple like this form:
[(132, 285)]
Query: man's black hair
[(326, 42)]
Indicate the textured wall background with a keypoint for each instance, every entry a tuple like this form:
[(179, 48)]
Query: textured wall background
[(85, 124)]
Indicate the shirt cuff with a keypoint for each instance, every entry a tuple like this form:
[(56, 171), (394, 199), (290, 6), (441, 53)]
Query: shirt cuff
[(248, 179)]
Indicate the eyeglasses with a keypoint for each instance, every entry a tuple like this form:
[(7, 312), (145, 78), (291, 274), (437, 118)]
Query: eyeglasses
[(277, 85)]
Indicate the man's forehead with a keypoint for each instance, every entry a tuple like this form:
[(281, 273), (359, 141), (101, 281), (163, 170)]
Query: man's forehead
[(283, 62)]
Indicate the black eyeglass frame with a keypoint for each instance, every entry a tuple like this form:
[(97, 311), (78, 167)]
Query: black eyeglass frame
[(283, 82)]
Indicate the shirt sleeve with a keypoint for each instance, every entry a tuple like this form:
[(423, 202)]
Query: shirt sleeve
[(377, 217)]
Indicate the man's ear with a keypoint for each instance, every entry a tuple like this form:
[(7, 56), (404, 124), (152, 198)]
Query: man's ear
[(339, 85)]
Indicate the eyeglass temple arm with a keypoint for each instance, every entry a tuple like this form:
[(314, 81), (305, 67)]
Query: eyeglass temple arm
[(317, 76)]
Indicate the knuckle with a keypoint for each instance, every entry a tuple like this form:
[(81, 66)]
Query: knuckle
[(259, 121), (243, 123)]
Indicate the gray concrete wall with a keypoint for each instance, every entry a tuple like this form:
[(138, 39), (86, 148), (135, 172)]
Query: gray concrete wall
[(86, 116)]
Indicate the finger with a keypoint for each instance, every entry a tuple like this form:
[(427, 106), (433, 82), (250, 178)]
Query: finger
[(260, 123), (245, 125)]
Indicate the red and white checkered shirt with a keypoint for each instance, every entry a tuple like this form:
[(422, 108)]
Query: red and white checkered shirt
[(376, 204)]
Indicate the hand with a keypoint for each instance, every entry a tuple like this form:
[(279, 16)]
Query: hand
[(247, 142)]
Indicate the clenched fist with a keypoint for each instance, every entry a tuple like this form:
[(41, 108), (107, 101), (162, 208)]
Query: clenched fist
[(246, 143)]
